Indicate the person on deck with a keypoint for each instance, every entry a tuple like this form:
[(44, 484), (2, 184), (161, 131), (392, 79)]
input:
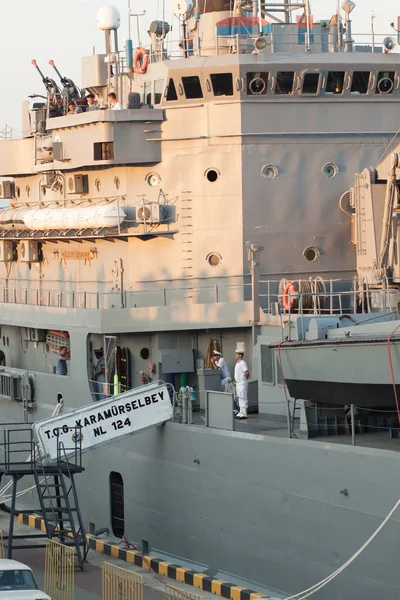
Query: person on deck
[(242, 384), (219, 364), (114, 104), (61, 361)]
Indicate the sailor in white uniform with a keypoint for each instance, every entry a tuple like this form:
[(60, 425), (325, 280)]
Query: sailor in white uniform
[(219, 363), (242, 384)]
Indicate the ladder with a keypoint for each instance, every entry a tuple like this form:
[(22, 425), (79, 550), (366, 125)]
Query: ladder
[(59, 503)]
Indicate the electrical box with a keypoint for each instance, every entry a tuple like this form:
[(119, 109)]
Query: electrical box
[(94, 71), (7, 189), (6, 251), (28, 251), (78, 184), (177, 361)]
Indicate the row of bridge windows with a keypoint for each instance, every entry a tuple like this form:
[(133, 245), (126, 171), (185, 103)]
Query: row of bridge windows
[(280, 83)]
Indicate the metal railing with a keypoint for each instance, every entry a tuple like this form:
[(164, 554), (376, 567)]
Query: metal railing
[(59, 574), (119, 583), (124, 299)]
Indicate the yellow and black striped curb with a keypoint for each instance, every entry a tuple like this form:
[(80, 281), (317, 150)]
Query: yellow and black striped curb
[(201, 581)]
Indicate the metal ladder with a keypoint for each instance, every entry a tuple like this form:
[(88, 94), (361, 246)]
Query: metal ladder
[(59, 503)]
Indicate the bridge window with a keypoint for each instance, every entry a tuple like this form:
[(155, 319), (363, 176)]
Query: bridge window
[(103, 151), (385, 83), (284, 82), (335, 82), (117, 504), (158, 90), (310, 83), (222, 84), (257, 83), (192, 87), (171, 91), (360, 82)]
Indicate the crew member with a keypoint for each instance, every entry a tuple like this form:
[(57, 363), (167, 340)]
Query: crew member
[(61, 361), (73, 109), (242, 384), (219, 363), (114, 104), (100, 375), (92, 102)]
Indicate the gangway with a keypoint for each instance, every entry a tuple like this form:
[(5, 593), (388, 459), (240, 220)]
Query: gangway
[(55, 446)]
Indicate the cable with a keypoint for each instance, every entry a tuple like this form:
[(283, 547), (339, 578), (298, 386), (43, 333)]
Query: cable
[(315, 588), (392, 372)]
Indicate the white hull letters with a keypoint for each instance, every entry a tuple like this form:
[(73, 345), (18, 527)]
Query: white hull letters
[(106, 421)]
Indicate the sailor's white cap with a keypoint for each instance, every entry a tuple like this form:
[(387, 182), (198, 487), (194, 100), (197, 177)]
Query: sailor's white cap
[(216, 352), (239, 351)]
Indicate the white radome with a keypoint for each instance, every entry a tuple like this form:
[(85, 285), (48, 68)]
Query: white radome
[(108, 18), (182, 7)]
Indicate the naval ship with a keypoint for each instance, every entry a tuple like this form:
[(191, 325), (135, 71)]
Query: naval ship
[(205, 209)]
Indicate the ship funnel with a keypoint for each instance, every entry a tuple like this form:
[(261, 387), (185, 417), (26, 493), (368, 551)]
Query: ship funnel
[(390, 43)]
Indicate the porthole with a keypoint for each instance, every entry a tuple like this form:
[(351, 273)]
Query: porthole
[(28, 190), (330, 170), (153, 179), (97, 184), (269, 172), (18, 191), (311, 254), (144, 353), (257, 86), (212, 175), (213, 259)]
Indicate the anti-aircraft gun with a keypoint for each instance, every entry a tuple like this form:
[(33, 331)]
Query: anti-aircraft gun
[(54, 96), (69, 87)]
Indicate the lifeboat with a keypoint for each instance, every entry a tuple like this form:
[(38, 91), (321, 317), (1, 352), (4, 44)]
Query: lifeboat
[(93, 217)]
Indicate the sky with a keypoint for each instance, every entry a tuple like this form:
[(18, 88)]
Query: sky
[(66, 31)]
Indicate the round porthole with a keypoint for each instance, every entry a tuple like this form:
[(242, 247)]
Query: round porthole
[(257, 86), (144, 353), (330, 170), (213, 259), (28, 190), (385, 85), (153, 179), (212, 175), (97, 184), (117, 182), (269, 171), (311, 254)]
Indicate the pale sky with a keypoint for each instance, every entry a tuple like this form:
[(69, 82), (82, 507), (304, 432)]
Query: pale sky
[(66, 31)]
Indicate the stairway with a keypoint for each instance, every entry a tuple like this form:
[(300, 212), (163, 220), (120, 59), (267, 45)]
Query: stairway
[(59, 504)]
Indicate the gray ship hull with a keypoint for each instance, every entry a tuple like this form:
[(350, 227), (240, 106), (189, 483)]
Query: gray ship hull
[(268, 510)]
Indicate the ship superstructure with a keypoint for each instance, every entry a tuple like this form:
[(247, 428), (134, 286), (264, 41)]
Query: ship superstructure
[(131, 230)]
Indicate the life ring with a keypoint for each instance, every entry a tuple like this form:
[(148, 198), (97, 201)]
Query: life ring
[(140, 61), (288, 296)]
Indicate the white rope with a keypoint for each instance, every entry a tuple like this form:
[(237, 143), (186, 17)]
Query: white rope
[(56, 411), (318, 586)]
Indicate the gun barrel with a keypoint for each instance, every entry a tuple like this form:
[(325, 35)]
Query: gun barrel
[(51, 62)]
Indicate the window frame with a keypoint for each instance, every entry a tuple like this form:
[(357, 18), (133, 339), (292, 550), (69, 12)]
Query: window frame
[(319, 86), (356, 93), (201, 83)]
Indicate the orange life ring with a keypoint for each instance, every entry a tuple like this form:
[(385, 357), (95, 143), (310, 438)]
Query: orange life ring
[(140, 61), (288, 295)]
